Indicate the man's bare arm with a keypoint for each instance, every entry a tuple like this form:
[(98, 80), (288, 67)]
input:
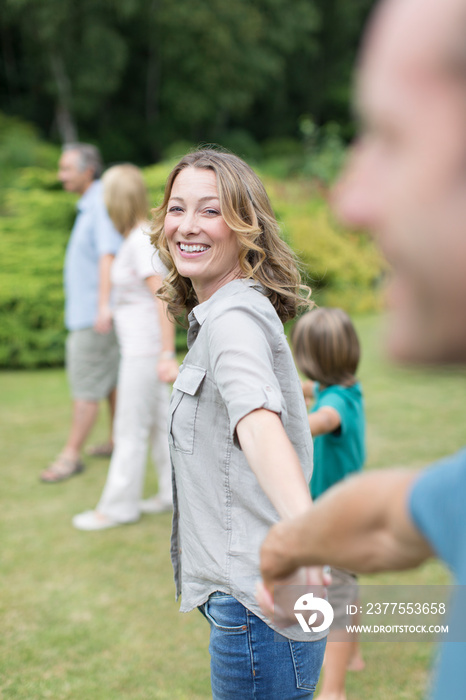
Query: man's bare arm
[(362, 524)]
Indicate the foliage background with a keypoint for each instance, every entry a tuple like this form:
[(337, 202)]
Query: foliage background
[(37, 216), (93, 616), (146, 80), (135, 76)]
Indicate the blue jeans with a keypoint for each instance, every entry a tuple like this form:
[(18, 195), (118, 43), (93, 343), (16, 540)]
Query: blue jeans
[(248, 663)]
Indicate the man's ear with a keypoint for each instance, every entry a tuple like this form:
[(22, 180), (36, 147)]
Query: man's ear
[(89, 174)]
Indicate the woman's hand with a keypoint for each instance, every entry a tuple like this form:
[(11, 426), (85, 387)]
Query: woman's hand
[(167, 370), (104, 322), (167, 367)]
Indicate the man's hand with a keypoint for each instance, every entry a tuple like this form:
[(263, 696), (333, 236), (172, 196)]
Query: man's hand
[(277, 560)]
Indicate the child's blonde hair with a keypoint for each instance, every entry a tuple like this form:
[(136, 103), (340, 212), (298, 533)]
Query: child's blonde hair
[(326, 347)]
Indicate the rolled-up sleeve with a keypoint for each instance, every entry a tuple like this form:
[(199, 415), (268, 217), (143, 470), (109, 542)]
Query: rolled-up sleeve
[(242, 365)]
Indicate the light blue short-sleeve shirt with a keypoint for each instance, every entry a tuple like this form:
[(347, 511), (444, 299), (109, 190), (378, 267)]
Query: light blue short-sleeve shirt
[(437, 507), (238, 361), (93, 236)]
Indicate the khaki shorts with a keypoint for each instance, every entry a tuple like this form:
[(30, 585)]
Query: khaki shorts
[(343, 591), (92, 363)]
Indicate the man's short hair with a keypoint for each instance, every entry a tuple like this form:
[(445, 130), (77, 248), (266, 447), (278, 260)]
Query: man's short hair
[(89, 157)]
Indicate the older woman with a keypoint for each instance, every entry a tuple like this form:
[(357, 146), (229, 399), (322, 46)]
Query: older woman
[(146, 338), (239, 438)]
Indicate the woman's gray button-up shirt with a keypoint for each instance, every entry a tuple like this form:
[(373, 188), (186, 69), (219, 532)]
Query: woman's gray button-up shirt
[(238, 361)]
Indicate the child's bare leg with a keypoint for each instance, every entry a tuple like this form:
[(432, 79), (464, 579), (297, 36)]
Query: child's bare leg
[(337, 656), (356, 662)]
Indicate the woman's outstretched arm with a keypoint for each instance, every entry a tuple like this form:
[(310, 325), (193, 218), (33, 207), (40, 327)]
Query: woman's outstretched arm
[(362, 524), (274, 461)]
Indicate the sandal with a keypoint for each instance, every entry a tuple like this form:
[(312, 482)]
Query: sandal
[(62, 469), (104, 450)]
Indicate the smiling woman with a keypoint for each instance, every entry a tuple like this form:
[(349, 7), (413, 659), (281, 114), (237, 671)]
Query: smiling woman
[(201, 244), (240, 444), (236, 195)]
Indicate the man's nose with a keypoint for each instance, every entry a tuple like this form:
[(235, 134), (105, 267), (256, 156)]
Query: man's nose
[(356, 197)]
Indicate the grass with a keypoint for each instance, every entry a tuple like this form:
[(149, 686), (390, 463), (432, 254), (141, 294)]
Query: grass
[(93, 616)]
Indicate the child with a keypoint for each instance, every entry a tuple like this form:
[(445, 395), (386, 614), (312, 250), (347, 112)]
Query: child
[(326, 350)]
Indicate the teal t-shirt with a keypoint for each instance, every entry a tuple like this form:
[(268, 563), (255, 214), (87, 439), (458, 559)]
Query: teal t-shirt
[(342, 452)]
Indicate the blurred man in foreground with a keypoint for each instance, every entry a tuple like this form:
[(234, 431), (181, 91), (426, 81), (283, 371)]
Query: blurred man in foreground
[(406, 183), (91, 346)]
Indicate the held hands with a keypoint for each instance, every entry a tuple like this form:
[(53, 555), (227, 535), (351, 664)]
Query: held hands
[(104, 321), (277, 603), (281, 573)]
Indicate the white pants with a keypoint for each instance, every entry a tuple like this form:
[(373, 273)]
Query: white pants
[(141, 417)]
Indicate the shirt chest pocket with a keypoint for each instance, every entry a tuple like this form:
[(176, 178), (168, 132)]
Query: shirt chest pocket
[(183, 408)]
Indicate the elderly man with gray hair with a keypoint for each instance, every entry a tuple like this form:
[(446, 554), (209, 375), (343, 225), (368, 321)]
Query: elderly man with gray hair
[(91, 347)]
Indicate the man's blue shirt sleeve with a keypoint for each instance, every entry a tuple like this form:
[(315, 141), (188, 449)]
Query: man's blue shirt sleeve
[(437, 507), (108, 239)]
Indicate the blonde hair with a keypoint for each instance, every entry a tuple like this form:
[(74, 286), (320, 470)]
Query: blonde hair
[(326, 347), (125, 196), (246, 209)]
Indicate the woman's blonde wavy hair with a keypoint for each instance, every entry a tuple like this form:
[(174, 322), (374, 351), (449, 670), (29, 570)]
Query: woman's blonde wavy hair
[(246, 209)]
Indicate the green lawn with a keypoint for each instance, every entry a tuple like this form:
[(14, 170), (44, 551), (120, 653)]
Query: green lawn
[(92, 616)]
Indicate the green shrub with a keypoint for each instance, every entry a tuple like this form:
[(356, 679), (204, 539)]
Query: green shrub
[(21, 147), (34, 231), (324, 150), (282, 147), (33, 235), (343, 269), (156, 177), (241, 143), (177, 150), (35, 219)]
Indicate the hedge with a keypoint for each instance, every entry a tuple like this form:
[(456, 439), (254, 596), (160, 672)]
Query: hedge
[(36, 220)]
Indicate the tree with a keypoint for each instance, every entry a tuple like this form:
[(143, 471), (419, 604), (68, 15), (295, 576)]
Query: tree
[(70, 55), (136, 75)]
